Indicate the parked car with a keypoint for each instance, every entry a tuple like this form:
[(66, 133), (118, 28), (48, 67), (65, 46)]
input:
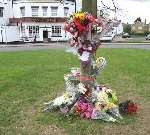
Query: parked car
[(107, 38), (126, 35), (147, 37)]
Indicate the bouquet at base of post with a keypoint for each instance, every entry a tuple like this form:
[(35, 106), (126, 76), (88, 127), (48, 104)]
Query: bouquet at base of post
[(101, 102)]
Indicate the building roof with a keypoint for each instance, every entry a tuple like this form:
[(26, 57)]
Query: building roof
[(49, 0), (43, 0)]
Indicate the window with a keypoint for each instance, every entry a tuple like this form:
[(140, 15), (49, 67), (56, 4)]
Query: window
[(133, 27), (35, 11), (44, 11), (56, 31), (22, 9), (23, 31), (1, 11), (66, 9), (54, 11), (139, 27), (33, 30)]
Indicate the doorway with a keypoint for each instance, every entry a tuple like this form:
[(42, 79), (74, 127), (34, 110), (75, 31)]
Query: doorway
[(45, 36), (2, 36)]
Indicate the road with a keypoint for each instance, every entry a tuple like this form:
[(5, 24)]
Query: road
[(40, 46)]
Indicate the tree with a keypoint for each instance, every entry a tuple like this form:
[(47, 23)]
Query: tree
[(146, 32), (138, 20), (127, 28)]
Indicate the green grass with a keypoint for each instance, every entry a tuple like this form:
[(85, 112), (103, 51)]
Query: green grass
[(132, 41), (30, 78)]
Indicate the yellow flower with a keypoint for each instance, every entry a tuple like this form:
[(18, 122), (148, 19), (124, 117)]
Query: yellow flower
[(102, 97), (79, 15), (66, 95), (110, 105), (98, 61), (98, 106)]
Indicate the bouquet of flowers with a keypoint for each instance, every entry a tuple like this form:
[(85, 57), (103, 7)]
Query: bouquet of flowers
[(78, 22)]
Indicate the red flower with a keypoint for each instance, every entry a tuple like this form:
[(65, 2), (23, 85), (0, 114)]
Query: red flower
[(79, 26), (131, 108)]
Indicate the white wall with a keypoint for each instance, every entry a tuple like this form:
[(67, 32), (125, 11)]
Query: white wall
[(2, 21), (28, 12), (118, 30), (1, 34), (12, 33), (9, 34), (7, 13), (46, 27), (9, 9)]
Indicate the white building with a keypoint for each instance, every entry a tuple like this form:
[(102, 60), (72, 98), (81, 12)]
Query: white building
[(42, 20), (118, 28), (6, 29), (4, 13), (1, 20)]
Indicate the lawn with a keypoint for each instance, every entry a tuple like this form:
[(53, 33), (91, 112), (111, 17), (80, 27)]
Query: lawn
[(30, 78)]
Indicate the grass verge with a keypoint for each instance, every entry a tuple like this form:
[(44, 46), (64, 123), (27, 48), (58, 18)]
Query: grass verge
[(30, 78)]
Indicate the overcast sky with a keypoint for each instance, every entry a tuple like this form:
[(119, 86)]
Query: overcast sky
[(130, 9)]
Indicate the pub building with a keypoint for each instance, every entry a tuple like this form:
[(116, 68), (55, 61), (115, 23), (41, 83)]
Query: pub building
[(41, 20)]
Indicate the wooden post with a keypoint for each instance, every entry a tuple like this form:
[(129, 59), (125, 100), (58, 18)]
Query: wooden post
[(90, 6)]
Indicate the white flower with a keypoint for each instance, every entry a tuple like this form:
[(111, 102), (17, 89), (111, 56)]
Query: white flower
[(82, 88)]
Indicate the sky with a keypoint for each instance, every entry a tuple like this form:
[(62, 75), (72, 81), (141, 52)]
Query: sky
[(129, 9)]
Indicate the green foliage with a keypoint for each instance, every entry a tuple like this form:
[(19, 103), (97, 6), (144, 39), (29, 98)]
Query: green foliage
[(127, 28), (140, 34), (146, 33)]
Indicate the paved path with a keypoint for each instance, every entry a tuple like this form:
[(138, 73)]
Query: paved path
[(139, 46), (40, 46)]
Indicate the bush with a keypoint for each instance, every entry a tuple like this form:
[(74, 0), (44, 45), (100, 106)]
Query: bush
[(127, 28)]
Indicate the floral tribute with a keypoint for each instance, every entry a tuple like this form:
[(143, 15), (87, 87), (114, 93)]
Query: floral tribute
[(81, 23), (84, 96)]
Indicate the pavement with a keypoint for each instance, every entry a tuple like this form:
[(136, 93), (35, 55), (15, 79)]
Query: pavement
[(64, 45), (132, 39)]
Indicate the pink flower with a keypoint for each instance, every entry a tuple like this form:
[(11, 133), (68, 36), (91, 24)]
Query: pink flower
[(82, 115), (90, 109), (87, 115), (84, 107)]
